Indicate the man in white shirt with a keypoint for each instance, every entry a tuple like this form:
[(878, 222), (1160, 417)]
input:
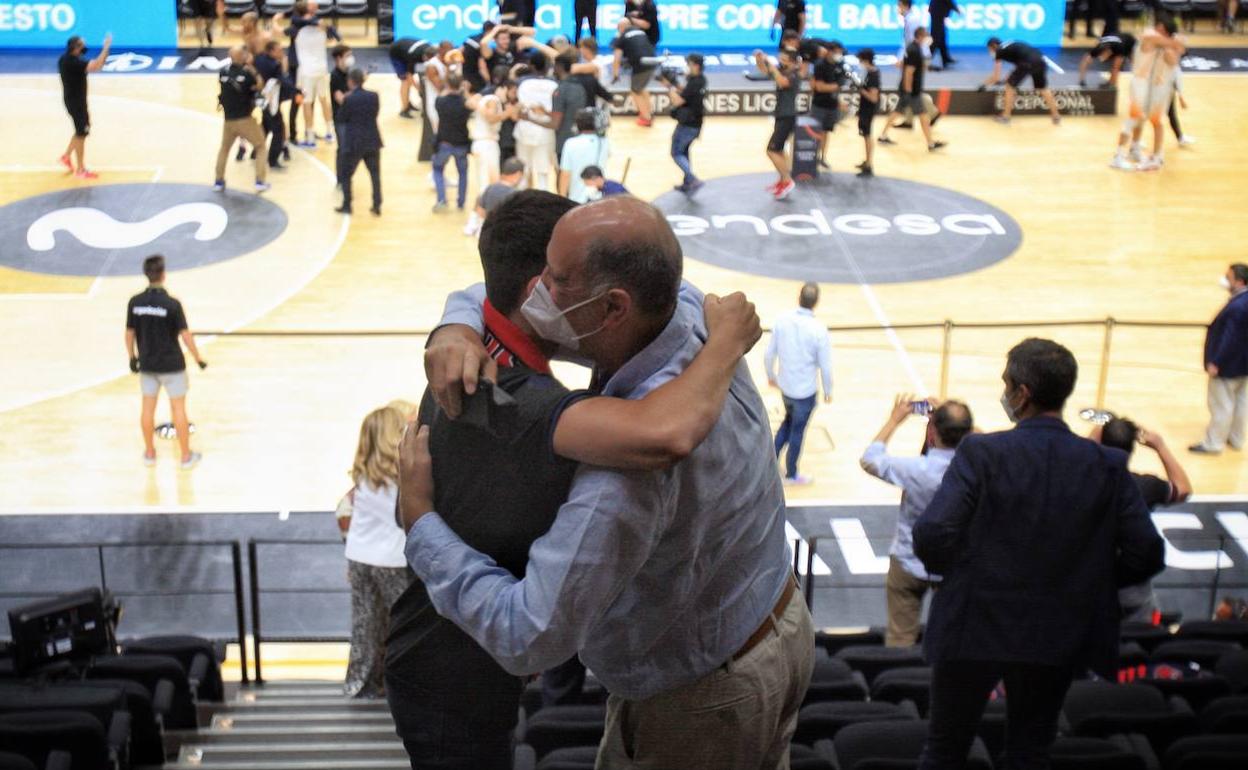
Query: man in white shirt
[(801, 344), (434, 79), (919, 478), (579, 153), (311, 48), (535, 143)]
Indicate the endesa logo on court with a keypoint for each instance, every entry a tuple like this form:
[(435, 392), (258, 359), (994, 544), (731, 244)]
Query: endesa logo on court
[(138, 23), (725, 23), (840, 229)]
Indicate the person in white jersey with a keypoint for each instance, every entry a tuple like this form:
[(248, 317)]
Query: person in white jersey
[(311, 48), (488, 115), (535, 143), (1153, 68)]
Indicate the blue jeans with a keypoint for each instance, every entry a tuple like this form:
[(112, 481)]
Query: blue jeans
[(797, 413), (460, 154), (682, 139)]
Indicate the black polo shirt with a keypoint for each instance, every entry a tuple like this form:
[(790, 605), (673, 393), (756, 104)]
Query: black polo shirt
[(238, 92), (453, 117), (337, 82), (694, 94), (499, 493), (786, 98), (157, 319), (1016, 52), (73, 80), (791, 11), (472, 60), (914, 58), (828, 71)]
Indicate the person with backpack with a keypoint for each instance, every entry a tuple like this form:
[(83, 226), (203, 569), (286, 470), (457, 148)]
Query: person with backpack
[(580, 152)]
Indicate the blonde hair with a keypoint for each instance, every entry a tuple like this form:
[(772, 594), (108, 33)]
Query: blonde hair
[(377, 457), (250, 20), (406, 407)]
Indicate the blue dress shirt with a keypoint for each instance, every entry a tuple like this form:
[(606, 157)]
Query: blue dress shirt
[(919, 478), (800, 342), (656, 577)]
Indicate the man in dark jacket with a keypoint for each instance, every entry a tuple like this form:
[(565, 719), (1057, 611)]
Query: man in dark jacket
[(361, 140), (1226, 362), (1033, 530), (940, 10)]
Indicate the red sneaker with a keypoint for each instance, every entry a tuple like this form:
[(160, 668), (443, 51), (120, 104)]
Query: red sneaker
[(67, 163), (84, 174), (771, 188), (784, 190), (644, 123)]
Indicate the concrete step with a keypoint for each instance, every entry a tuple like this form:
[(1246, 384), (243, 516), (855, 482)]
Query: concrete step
[(323, 733), (233, 754), (338, 704), (305, 691), (293, 764), (282, 720)]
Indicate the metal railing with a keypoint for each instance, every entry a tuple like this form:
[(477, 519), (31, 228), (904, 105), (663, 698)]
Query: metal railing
[(236, 590)]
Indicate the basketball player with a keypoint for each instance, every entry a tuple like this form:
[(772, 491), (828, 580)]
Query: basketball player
[(74, 69), (311, 43), (1028, 63), (406, 54), (154, 324), (1114, 48), (1153, 71)]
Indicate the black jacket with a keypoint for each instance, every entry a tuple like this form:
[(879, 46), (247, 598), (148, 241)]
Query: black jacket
[(1033, 530), (940, 9), (1226, 342), (358, 116)]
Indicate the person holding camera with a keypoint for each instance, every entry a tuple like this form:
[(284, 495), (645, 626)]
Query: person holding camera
[(919, 477), (239, 89), (687, 109), (155, 322), (827, 77)]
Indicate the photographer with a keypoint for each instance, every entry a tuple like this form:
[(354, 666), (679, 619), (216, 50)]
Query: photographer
[(687, 109)]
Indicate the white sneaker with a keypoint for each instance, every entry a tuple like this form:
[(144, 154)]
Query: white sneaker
[(1150, 164), (191, 461), (1187, 141), (148, 462), (1135, 155), (1121, 164)]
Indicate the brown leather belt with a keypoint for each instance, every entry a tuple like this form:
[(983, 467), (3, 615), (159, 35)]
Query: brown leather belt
[(768, 625)]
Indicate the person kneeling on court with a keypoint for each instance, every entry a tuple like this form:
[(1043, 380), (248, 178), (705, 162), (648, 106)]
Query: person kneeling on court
[(154, 323), (1028, 63)]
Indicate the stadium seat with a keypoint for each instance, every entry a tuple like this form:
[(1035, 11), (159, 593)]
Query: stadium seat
[(1131, 655), (150, 671), (1208, 752), (911, 683), (583, 757), (822, 721), (199, 657), (1234, 667), (805, 758), (1226, 716), (1146, 635), (1198, 691), (106, 704), (10, 761), (834, 680), (1203, 652), (872, 660), (892, 746), (559, 727), (834, 640), (357, 8), (147, 743), (1102, 709), (1077, 753), (1216, 630), (39, 735)]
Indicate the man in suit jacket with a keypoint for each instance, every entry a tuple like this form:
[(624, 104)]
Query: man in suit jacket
[(1033, 530), (939, 11), (361, 139), (1226, 362)]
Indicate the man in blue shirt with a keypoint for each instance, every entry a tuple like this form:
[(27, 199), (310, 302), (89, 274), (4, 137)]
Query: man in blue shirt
[(675, 586), (800, 343), (1032, 532), (1226, 363), (919, 477), (599, 186)]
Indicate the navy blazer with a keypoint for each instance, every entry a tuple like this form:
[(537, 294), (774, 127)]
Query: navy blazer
[(358, 116), (1226, 342), (942, 8), (1033, 530)]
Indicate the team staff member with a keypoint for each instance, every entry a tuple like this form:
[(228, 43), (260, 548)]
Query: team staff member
[(1226, 363), (1114, 48), (868, 105), (1028, 63), (825, 85), (154, 323), (940, 10), (74, 70), (910, 96), (362, 140), (634, 44), (344, 61), (790, 15), (406, 54), (271, 67), (688, 107), (1032, 531), (237, 99), (788, 78), (919, 478)]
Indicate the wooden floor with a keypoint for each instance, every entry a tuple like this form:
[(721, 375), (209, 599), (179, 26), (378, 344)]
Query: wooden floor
[(278, 417)]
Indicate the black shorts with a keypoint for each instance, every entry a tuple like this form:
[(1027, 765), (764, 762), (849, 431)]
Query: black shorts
[(909, 102), (781, 133), (1036, 70), (864, 122), (828, 117), (204, 9), (81, 118)]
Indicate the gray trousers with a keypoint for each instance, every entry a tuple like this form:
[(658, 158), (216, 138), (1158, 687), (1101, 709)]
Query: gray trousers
[(1228, 406), (739, 717)]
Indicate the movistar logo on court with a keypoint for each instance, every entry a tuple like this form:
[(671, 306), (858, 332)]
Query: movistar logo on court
[(840, 229), (110, 229)]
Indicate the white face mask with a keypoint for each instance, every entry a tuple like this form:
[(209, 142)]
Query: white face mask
[(1224, 283), (1010, 411), (348, 61), (551, 323), (837, 57)]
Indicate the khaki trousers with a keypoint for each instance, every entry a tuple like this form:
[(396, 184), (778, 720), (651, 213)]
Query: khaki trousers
[(904, 593), (1228, 405), (739, 717), (249, 130)]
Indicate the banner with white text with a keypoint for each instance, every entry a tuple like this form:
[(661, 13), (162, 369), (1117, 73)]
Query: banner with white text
[(740, 24), (134, 23)]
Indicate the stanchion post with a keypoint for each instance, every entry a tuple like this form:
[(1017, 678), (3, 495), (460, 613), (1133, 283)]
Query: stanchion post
[(237, 558), (1217, 574), (1103, 381), (253, 566), (810, 573), (797, 556), (946, 351)]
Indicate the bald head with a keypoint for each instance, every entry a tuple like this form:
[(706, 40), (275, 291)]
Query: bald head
[(809, 296), (238, 54), (622, 242)]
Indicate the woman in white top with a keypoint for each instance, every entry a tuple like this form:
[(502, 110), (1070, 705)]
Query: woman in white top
[(376, 566)]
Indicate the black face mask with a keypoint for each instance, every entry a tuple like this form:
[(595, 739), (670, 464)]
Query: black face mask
[(83, 52)]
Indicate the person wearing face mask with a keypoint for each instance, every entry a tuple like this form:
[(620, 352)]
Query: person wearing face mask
[(825, 103), (344, 60), (1226, 363), (1032, 531), (361, 140), (500, 485), (788, 79), (912, 100), (74, 69)]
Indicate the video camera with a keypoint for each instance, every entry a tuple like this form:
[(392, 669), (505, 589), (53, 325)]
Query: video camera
[(671, 75)]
